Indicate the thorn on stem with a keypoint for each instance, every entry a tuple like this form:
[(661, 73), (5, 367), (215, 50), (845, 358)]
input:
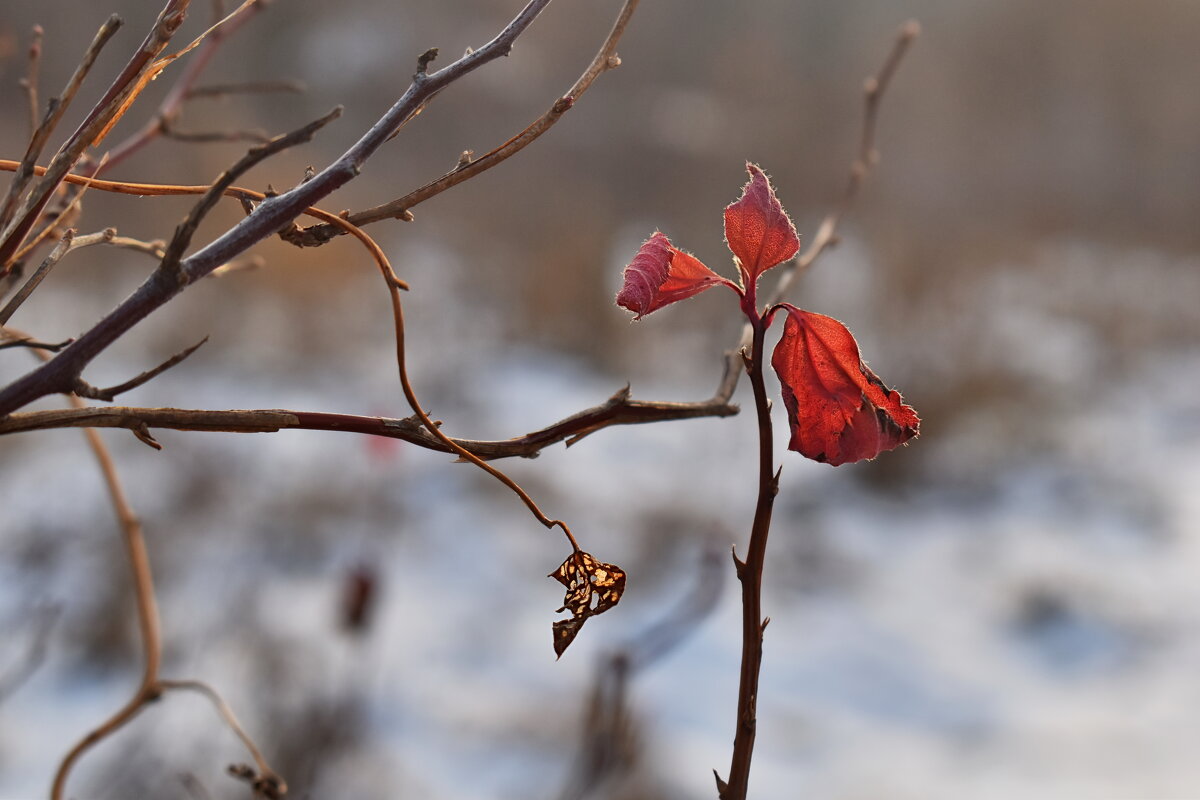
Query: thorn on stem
[(722, 786), (142, 431), (739, 566)]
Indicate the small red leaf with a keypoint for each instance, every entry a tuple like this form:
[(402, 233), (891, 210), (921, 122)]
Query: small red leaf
[(758, 230), (661, 274), (839, 410)]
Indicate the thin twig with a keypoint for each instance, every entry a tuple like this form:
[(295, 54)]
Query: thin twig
[(605, 60), (30, 82), (618, 410), (147, 610), (172, 105), (55, 109), (864, 161), (105, 112), (183, 234), (248, 198), (60, 250), (83, 389), (151, 686), (247, 87), (52, 347), (269, 217), (272, 781), (66, 244), (205, 137), (436, 432)]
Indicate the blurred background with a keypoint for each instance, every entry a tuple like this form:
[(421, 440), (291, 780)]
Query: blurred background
[(1005, 608)]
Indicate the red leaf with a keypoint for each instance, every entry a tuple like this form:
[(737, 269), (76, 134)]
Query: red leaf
[(758, 230), (661, 274), (839, 410)]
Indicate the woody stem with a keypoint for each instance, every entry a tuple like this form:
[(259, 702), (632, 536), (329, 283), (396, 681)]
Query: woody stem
[(749, 573)]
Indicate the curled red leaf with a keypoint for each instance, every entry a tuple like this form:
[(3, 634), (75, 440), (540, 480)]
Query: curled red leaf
[(758, 230), (839, 410), (661, 274)]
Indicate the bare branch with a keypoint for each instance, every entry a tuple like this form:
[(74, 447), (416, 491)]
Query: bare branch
[(66, 244), (268, 217), (25, 341), (106, 111), (605, 60), (60, 250), (205, 137), (248, 87), (147, 607), (30, 82), (83, 389), (617, 410), (267, 783), (55, 109), (172, 105), (185, 231)]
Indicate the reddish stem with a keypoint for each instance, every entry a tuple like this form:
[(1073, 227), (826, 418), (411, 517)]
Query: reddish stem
[(749, 573)]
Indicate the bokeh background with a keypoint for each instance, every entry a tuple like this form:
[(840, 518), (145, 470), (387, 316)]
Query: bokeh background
[(1006, 608)]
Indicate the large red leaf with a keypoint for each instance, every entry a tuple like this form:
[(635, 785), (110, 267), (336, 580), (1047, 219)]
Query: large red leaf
[(661, 274), (758, 230), (839, 410)]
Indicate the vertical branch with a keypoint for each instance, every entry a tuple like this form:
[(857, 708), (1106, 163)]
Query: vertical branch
[(147, 607), (30, 82), (749, 573)]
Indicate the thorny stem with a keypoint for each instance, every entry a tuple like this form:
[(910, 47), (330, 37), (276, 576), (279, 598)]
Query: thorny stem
[(749, 573)]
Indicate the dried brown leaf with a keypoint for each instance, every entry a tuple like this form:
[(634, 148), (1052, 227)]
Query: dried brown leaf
[(592, 586)]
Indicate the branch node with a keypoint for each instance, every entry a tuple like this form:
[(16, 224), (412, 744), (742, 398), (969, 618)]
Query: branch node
[(423, 62)]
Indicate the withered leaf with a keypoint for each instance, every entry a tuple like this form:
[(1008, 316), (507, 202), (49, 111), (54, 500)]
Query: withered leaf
[(592, 586)]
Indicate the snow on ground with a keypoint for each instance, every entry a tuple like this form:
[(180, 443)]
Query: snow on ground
[(1033, 638)]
